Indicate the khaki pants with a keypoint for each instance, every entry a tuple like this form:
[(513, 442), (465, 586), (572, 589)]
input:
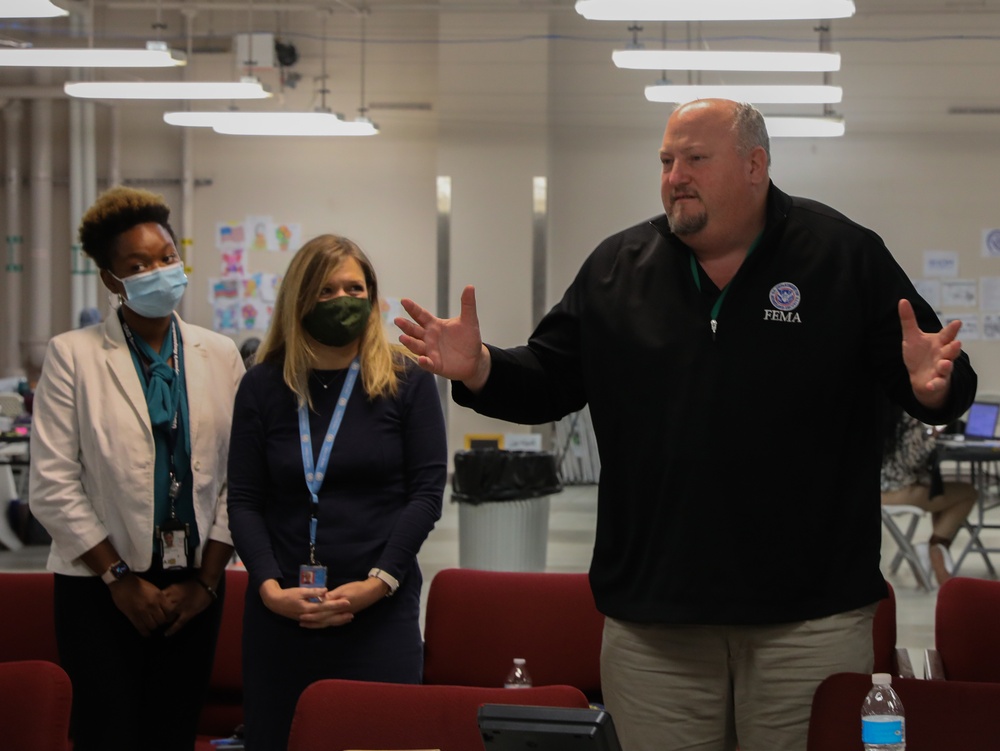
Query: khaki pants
[(707, 688)]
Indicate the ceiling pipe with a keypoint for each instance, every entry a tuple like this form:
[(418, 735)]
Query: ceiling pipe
[(13, 115), (40, 258), (187, 181)]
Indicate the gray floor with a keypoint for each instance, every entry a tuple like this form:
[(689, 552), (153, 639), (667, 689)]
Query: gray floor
[(571, 538)]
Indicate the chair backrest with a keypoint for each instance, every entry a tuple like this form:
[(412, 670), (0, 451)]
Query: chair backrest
[(31, 633), (336, 715), (223, 707), (939, 714), (966, 618), (35, 701), (11, 404), (477, 622), (884, 634)]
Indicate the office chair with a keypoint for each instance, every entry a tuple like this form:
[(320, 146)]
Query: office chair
[(336, 715), (904, 541), (966, 647), (888, 657), (27, 630), (36, 697), (222, 710), (939, 714), (477, 622), (11, 404)]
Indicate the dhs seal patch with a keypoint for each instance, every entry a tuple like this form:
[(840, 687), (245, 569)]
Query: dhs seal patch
[(785, 296)]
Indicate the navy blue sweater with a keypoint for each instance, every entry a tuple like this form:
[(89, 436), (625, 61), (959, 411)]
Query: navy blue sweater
[(382, 493)]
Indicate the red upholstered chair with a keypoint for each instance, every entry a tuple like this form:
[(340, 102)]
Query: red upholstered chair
[(939, 714), (336, 715), (31, 634), (966, 621), (888, 657), (223, 708), (477, 622), (35, 702)]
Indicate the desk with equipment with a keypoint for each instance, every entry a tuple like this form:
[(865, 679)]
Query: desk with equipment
[(979, 461)]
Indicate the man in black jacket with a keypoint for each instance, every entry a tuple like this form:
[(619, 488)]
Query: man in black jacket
[(736, 570)]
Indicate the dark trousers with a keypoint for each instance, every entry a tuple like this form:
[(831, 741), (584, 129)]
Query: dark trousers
[(129, 691)]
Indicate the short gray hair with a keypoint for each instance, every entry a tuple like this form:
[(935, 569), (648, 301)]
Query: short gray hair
[(750, 129)]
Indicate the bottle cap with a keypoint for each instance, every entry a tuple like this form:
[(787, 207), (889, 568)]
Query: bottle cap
[(882, 679), (518, 660)]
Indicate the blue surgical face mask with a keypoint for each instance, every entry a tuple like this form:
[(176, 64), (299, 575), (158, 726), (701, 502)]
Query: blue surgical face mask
[(155, 294)]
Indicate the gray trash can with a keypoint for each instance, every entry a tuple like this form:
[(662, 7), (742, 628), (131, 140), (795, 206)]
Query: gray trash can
[(503, 513)]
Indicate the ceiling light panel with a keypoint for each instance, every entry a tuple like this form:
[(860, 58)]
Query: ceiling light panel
[(776, 94), (166, 90), (30, 9), (89, 57), (726, 60), (713, 10)]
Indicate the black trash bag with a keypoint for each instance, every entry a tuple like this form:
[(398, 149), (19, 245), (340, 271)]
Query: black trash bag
[(483, 475)]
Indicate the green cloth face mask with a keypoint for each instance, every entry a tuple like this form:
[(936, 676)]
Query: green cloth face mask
[(338, 321)]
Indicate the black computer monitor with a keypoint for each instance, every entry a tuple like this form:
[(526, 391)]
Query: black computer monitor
[(508, 727)]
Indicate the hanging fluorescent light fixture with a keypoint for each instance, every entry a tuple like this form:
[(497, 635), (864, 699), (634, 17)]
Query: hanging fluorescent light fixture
[(776, 94), (247, 88), (156, 55), (780, 126), (201, 119), (713, 10), (30, 9), (239, 123), (726, 60), (292, 124)]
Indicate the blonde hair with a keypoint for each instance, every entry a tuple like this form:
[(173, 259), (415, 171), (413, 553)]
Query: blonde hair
[(286, 341)]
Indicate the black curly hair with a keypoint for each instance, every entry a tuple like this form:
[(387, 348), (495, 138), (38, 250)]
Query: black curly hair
[(116, 211)]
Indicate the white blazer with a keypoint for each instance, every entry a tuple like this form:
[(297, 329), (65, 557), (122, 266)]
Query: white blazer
[(92, 450)]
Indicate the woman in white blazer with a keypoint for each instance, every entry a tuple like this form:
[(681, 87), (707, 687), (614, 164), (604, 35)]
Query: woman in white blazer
[(130, 438)]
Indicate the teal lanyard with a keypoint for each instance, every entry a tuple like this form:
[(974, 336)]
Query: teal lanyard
[(717, 306)]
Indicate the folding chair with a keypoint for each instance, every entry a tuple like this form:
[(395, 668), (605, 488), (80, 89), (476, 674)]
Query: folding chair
[(904, 541)]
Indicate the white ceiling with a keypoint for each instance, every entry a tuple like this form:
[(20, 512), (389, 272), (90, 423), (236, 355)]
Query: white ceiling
[(906, 63)]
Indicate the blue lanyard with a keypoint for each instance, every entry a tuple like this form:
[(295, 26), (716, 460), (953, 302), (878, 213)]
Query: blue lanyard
[(314, 476)]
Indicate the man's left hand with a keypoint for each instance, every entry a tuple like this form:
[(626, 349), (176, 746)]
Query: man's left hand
[(929, 358)]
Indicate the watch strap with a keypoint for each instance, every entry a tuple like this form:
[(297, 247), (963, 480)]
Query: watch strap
[(115, 572), (388, 579)]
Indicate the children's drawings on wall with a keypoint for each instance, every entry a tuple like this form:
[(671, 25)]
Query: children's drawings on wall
[(244, 304), (226, 318), (285, 237), (264, 233), (232, 262), (227, 233), (243, 300)]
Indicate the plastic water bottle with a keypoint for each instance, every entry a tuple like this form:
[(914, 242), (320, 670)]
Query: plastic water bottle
[(883, 725), (518, 676)]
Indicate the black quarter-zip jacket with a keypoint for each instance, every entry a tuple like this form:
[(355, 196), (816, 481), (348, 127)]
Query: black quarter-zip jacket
[(739, 469)]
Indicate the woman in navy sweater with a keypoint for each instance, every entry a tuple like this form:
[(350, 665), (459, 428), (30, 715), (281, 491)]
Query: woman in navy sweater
[(337, 471)]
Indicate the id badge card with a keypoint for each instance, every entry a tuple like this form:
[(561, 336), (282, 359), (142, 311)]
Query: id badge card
[(173, 536), (312, 576)]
